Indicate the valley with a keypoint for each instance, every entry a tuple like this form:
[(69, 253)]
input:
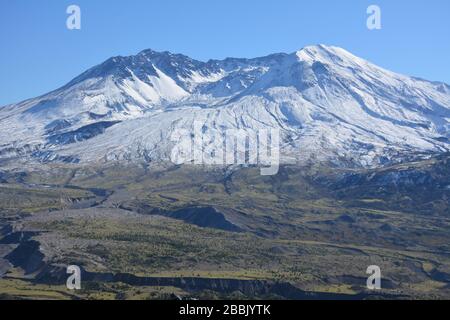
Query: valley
[(163, 232)]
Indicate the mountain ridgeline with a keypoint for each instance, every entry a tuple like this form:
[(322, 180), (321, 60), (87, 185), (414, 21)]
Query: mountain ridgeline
[(327, 104)]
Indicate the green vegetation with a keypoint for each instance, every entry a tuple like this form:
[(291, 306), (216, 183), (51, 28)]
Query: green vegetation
[(313, 227)]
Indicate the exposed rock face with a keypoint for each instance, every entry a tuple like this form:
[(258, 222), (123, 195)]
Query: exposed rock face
[(207, 217), (250, 288), (27, 256)]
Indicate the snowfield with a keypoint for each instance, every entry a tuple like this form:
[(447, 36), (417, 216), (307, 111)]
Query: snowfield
[(328, 105)]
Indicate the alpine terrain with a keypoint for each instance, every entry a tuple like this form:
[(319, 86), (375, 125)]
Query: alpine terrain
[(327, 104), (99, 174)]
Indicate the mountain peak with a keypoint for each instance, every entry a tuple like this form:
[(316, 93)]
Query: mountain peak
[(153, 54), (325, 101), (325, 53)]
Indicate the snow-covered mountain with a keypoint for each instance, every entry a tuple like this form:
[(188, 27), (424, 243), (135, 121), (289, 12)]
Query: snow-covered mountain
[(328, 104)]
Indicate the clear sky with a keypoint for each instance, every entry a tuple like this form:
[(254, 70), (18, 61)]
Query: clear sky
[(38, 53)]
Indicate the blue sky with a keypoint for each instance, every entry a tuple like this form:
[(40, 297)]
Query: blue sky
[(38, 53)]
